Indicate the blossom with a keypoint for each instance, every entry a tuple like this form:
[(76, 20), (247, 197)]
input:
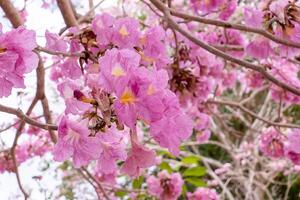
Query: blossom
[(54, 42), (66, 89), (74, 141), (117, 66), (126, 32), (253, 17), (71, 69), (271, 143), (165, 186), (292, 148), (112, 148), (139, 157), (102, 26), (259, 48), (16, 58), (173, 127), (154, 50), (228, 9), (206, 6), (203, 193)]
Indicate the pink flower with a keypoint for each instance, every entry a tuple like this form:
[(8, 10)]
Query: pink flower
[(112, 145), (271, 143), (233, 37), (126, 32), (259, 48), (74, 141), (203, 136), (253, 17), (16, 58), (287, 74), (139, 157), (172, 128), (71, 69), (228, 9), (102, 26), (54, 42), (203, 193), (206, 6), (119, 64), (165, 186), (292, 148), (154, 50), (73, 105)]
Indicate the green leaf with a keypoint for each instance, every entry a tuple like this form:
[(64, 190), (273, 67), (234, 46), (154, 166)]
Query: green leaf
[(196, 181), (184, 190), (120, 193), (166, 166), (137, 183), (190, 160), (195, 171)]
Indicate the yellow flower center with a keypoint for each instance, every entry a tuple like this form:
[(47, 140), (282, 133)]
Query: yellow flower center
[(123, 31), (127, 97), (118, 71), (2, 49)]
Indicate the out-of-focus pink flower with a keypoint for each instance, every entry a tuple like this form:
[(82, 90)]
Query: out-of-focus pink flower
[(206, 6), (126, 33), (139, 158), (165, 186), (272, 143), (203, 193), (253, 17), (292, 147), (16, 58), (287, 74), (74, 141), (227, 9), (203, 136), (259, 48), (55, 43)]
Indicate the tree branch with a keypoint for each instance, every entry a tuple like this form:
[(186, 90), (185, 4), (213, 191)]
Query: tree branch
[(67, 12)]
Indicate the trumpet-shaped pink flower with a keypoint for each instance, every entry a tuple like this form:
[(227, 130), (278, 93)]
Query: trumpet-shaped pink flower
[(154, 50), (116, 68), (55, 43), (126, 33), (203, 193), (74, 141), (292, 148), (73, 106), (139, 158), (112, 146), (272, 143), (165, 186), (102, 26), (71, 69), (16, 58)]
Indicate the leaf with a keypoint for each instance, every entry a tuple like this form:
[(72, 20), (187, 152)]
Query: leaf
[(137, 183), (120, 193), (190, 160), (166, 166), (195, 171), (196, 181)]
